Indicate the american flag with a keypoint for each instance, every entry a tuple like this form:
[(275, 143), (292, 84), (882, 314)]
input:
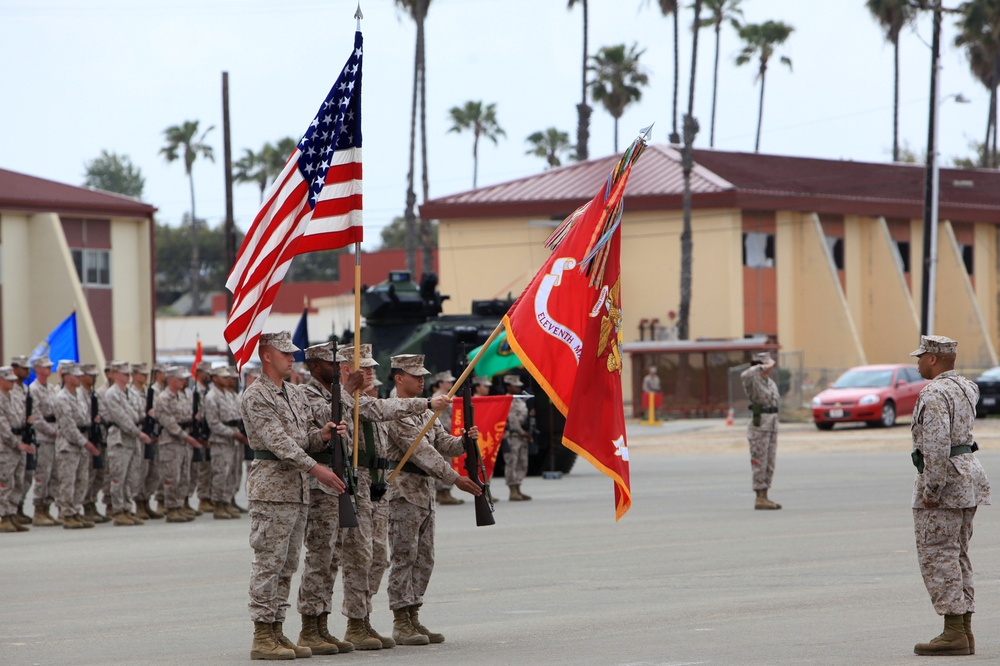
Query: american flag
[(314, 204)]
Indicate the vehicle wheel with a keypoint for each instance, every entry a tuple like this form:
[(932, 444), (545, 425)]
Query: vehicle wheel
[(888, 414), (824, 426)]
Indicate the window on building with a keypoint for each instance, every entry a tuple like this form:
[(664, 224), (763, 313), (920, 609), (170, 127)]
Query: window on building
[(968, 254), (903, 255), (93, 267), (758, 250), (836, 247)]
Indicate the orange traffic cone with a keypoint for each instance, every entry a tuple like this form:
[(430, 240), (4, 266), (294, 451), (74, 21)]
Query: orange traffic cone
[(729, 417)]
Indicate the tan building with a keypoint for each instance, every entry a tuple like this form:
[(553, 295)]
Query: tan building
[(822, 256), (66, 248)]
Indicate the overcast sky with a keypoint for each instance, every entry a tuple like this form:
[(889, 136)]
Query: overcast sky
[(81, 76)]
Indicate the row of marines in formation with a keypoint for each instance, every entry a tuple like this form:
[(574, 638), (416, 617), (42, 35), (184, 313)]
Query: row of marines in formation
[(128, 440)]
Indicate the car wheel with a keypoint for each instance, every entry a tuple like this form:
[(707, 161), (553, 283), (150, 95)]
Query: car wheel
[(824, 426), (888, 414)]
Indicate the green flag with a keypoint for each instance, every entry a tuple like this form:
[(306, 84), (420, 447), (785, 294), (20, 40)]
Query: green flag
[(499, 357)]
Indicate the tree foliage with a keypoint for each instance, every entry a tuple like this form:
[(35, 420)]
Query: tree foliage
[(482, 121), (173, 259), (551, 145), (262, 167), (112, 172), (617, 79), (760, 40), (394, 234)]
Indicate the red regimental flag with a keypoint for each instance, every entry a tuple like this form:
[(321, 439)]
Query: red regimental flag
[(197, 359), (566, 329), (491, 419)]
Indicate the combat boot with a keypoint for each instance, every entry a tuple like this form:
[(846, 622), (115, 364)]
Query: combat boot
[(415, 621), (386, 641), (265, 646), (72, 523), (445, 497), (324, 631), (233, 510), (952, 640), (142, 509), (21, 517), (357, 634), (309, 637), (206, 506), (763, 503), (403, 632), (136, 520), (176, 516), (91, 513), (155, 513), (299, 651), (221, 513), (7, 525), (122, 519), (85, 522), (517, 496), (967, 623), (57, 520), (42, 517)]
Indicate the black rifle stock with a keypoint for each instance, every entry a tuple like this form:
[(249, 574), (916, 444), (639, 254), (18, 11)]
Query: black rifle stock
[(28, 434), (149, 427), (196, 455), (96, 436), (474, 465), (348, 512)]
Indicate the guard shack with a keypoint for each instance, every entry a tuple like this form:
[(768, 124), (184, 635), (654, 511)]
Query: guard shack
[(694, 374)]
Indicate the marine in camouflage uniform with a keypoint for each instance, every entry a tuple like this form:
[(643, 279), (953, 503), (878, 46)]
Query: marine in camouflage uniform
[(45, 437), (359, 546), (19, 395), (411, 503), (280, 433), (443, 381), (201, 471), (173, 411), (762, 431), (98, 473), (517, 436), (125, 444), (11, 454), (74, 451), (226, 441), (149, 468), (949, 487)]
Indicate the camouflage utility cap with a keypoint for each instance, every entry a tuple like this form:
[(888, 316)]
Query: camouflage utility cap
[(89, 369), (70, 368), (119, 366), (42, 361), (762, 357), (481, 381), (323, 352), (281, 341), (178, 372), (935, 344), (513, 380), (346, 355), (19, 361), (204, 366), (445, 376), (140, 369), (411, 364), (220, 371), (7, 372)]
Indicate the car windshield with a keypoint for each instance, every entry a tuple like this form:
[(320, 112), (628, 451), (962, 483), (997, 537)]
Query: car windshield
[(864, 379), (992, 374)]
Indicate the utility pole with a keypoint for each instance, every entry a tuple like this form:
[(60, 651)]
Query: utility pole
[(227, 150), (929, 276)]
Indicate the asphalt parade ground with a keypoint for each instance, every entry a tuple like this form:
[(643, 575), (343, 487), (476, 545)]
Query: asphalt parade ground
[(692, 575)]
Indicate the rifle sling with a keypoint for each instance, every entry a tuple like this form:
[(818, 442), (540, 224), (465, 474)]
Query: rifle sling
[(322, 457)]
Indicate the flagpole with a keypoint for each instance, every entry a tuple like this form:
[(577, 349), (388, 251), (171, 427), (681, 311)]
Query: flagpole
[(454, 389), (357, 316)]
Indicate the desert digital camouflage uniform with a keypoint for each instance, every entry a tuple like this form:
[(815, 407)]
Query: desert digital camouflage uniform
[(763, 438), (149, 469), (95, 476), (18, 396), (359, 545), (223, 416), (201, 472), (277, 420), (235, 481), (72, 459), (943, 418), (124, 423), (45, 436), (445, 418), (173, 411), (10, 457), (380, 521), (411, 505), (515, 459)]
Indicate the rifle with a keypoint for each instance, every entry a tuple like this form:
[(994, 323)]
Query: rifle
[(348, 512), (149, 427), (474, 465), (196, 455), (28, 434), (96, 436)]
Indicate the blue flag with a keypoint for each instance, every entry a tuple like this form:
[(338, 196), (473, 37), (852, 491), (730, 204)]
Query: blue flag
[(301, 337), (62, 344)]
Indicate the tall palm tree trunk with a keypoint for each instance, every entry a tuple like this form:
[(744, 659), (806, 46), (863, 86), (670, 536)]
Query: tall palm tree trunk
[(426, 244), (475, 159), (715, 83), (195, 255), (690, 130), (409, 214), (760, 113), (895, 103), (583, 109), (675, 138), (616, 134)]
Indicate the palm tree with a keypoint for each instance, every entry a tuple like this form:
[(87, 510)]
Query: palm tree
[(617, 77), (669, 8), (893, 16), (979, 34), (417, 9), (719, 12), (549, 145), (759, 39), (263, 167), (184, 142), (583, 109), (483, 123)]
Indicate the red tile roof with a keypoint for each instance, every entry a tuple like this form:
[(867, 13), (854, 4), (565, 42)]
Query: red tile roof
[(21, 192), (738, 180)]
